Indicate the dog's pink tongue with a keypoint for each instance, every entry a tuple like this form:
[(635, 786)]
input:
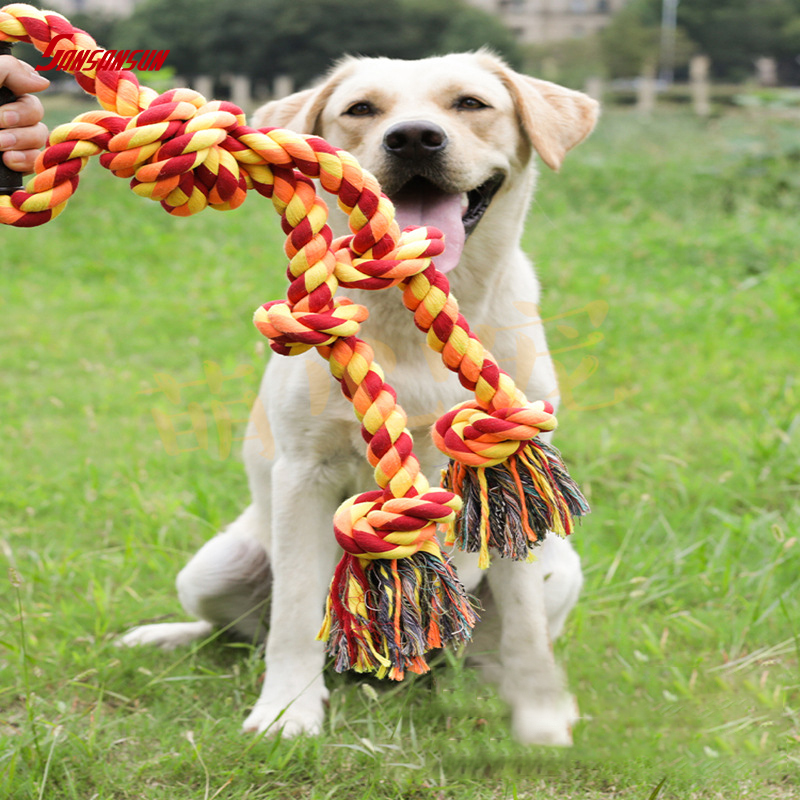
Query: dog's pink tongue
[(435, 209)]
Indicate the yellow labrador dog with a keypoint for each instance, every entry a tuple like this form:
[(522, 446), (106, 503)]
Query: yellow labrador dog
[(453, 142)]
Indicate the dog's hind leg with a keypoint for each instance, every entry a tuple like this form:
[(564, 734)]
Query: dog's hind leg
[(225, 585)]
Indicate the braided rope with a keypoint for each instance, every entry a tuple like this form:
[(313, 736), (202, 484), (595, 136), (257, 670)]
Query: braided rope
[(393, 596)]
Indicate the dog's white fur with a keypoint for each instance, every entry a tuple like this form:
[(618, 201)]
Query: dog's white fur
[(319, 459)]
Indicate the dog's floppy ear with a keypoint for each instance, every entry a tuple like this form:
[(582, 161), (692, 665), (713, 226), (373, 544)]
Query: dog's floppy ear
[(295, 112), (300, 112), (554, 118)]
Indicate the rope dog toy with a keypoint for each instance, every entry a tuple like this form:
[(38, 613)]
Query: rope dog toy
[(393, 596)]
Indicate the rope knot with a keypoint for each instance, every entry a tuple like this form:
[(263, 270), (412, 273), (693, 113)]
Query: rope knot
[(293, 332), (412, 254), (370, 527), (174, 152), (393, 597), (475, 437)]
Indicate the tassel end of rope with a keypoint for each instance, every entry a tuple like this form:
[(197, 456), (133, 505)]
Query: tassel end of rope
[(510, 501), (383, 614)]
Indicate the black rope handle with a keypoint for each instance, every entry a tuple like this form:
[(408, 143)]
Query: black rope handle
[(10, 180)]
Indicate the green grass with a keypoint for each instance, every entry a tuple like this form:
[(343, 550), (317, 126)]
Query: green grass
[(680, 419)]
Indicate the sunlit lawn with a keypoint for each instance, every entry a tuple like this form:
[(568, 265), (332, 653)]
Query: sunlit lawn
[(668, 250)]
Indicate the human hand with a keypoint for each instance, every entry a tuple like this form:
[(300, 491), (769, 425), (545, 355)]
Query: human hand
[(22, 132)]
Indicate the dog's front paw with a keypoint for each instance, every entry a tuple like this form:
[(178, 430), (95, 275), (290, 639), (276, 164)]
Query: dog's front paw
[(166, 635), (548, 725), (301, 717)]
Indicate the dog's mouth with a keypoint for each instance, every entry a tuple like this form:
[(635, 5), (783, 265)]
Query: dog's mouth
[(476, 201), (421, 202)]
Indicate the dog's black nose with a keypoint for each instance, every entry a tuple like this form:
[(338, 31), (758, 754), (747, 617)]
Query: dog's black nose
[(414, 139)]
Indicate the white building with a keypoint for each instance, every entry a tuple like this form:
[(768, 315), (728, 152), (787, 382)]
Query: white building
[(538, 21), (121, 8)]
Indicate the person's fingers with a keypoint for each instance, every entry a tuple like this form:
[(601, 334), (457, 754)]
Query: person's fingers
[(20, 160), (24, 112), (30, 138), (21, 146), (20, 77), (21, 130)]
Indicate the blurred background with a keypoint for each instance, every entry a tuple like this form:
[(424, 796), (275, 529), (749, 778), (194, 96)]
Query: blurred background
[(625, 50)]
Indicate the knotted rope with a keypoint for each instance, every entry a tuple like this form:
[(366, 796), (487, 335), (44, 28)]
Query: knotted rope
[(393, 596)]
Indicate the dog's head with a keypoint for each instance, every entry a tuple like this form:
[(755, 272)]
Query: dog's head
[(446, 137)]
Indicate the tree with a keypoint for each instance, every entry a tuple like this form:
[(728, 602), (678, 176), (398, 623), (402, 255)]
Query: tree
[(733, 33), (437, 27), (266, 38), (308, 35), (184, 27), (630, 41)]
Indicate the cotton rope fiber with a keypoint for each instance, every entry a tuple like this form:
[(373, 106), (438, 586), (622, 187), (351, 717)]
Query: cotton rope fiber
[(393, 596)]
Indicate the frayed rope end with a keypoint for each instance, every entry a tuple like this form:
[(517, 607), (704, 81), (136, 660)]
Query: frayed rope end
[(493, 515), (383, 615)]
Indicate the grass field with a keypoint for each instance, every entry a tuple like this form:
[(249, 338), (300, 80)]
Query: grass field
[(668, 250)]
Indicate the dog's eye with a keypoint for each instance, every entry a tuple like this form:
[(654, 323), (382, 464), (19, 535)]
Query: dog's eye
[(360, 109), (470, 103)]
